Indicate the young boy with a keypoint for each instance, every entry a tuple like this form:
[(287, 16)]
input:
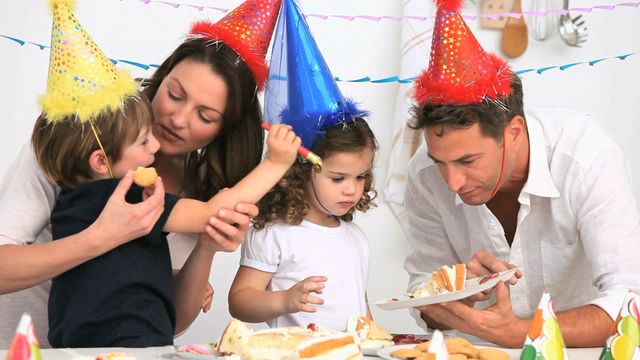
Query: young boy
[(125, 297)]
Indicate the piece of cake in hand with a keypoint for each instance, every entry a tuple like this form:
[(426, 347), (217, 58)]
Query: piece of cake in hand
[(371, 335), (145, 176), (444, 280)]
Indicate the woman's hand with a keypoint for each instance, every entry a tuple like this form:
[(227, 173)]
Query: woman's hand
[(298, 297), (227, 230), (120, 221)]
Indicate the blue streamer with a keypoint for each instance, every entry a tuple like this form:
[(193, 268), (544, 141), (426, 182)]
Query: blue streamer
[(365, 78)]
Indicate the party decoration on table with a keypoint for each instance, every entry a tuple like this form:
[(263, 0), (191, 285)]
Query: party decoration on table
[(247, 30), (25, 345), (624, 343), (301, 91), (82, 80), (437, 346), (460, 71), (544, 340), (378, 18)]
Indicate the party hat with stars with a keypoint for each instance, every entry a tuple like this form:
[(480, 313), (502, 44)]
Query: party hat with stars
[(247, 30), (301, 91), (624, 343), (82, 81), (25, 345), (544, 340), (460, 71)]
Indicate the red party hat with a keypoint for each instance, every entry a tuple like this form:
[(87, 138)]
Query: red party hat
[(460, 71), (247, 29)]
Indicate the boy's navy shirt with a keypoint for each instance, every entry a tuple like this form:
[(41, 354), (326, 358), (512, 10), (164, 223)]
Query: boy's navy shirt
[(123, 298)]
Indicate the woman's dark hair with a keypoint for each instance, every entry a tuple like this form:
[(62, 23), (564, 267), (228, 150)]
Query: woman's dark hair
[(492, 115), (286, 201), (238, 148)]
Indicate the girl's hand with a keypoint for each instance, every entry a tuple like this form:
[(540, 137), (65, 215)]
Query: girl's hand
[(282, 145), (298, 297)]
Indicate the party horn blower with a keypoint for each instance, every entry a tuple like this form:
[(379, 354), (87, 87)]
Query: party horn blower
[(544, 340), (624, 342), (304, 152), (25, 345)]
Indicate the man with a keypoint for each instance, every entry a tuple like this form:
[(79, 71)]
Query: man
[(494, 188)]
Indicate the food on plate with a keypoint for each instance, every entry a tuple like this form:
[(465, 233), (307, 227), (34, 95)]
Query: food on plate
[(444, 280), (196, 349), (145, 176), (492, 354), (115, 356), (458, 349), (371, 335), (407, 353), (312, 342)]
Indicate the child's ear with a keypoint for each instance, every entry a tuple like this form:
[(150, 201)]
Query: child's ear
[(98, 163)]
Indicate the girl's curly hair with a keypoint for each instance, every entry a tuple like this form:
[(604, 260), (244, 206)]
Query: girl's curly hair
[(286, 201)]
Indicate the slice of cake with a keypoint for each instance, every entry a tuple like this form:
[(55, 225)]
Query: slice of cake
[(444, 280), (371, 335), (334, 346), (286, 343), (234, 338)]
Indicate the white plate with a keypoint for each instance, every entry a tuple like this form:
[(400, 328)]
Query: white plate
[(385, 353), (472, 287)]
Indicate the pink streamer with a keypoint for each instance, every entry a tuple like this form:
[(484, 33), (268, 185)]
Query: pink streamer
[(377, 18)]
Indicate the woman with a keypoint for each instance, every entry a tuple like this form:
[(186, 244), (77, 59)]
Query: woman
[(208, 124)]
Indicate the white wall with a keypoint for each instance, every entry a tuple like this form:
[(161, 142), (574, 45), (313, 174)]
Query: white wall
[(146, 33)]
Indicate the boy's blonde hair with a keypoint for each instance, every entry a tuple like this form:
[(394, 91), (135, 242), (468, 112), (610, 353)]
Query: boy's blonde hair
[(286, 201), (63, 149)]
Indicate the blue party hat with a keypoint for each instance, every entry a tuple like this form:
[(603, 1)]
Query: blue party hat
[(301, 91)]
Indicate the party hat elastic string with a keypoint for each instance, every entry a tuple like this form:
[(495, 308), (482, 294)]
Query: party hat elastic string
[(104, 153)]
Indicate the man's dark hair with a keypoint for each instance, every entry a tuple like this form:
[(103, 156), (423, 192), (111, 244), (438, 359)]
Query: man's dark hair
[(492, 115)]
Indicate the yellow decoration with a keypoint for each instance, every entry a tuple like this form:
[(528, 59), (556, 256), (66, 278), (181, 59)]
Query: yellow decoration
[(622, 348), (82, 81)]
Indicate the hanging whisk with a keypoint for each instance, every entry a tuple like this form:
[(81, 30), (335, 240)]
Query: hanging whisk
[(543, 27)]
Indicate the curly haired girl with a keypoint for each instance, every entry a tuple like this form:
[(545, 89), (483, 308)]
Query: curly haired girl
[(305, 261)]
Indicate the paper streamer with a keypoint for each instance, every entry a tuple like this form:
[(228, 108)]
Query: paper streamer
[(378, 18), (389, 79)]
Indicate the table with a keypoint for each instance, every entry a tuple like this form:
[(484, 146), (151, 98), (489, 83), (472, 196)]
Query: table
[(169, 353)]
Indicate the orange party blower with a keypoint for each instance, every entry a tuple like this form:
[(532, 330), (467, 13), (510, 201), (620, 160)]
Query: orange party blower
[(304, 152)]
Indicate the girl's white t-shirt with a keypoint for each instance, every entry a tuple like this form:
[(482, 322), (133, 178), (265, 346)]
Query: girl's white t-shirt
[(293, 253)]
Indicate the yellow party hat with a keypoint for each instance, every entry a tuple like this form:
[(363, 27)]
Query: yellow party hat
[(82, 80)]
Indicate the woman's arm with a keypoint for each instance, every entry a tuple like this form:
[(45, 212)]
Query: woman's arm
[(191, 281), (25, 266)]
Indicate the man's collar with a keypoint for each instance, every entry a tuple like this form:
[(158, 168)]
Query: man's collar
[(539, 181)]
